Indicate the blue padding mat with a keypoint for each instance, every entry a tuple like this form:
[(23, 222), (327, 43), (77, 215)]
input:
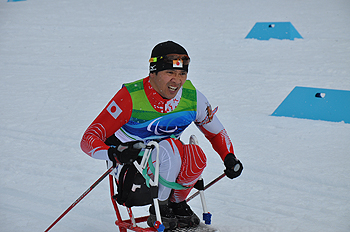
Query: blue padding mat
[(275, 30), (318, 104)]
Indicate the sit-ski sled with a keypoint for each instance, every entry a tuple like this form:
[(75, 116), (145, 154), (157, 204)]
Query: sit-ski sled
[(133, 223)]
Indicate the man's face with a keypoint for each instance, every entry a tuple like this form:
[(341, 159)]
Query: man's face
[(168, 82)]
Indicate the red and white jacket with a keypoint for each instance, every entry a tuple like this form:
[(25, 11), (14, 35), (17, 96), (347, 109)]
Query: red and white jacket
[(118, 112)]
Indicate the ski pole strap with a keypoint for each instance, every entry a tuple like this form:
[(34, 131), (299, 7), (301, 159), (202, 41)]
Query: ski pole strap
[(164, 182)]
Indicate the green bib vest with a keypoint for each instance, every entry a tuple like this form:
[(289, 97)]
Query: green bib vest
[(148, 124)]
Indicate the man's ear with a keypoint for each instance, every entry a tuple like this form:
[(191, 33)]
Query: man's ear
[(152, 75)]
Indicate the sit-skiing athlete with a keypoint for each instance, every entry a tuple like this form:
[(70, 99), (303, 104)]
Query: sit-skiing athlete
[(160, 107)]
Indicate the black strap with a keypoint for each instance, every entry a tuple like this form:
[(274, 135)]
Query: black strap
[(126, 180)]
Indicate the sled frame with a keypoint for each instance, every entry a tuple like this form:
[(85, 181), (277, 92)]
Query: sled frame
[(131, 223), (127, 224)]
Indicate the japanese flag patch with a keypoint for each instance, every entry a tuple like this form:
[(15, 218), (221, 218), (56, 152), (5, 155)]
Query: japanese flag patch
[(114, 109), (177, 63)]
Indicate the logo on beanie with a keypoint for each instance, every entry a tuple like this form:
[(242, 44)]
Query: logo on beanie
[(177, 63), (153, 68)]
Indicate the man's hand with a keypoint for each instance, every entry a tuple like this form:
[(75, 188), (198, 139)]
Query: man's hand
[(125, 153), (233, 166)]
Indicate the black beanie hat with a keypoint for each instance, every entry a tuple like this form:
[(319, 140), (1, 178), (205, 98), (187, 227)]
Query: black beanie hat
[(163, 49)]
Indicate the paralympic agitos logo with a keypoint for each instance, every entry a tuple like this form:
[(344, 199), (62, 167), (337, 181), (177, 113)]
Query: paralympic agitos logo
[(155, 128)]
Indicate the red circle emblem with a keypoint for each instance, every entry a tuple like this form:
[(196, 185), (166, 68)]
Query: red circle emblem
[(113, 109)]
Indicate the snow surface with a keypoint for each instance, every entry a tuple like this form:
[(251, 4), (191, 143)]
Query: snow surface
[(61, 62)]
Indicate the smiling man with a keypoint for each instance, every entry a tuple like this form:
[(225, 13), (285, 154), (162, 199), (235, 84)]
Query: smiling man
[(159, 108)]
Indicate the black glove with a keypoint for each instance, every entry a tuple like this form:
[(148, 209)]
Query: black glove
[(125, 153), (233, 166)]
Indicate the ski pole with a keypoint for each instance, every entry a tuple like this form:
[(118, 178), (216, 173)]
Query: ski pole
[(81, 197), (206, 186), (206, 214)]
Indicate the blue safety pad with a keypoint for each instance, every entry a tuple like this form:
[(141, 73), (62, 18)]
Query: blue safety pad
[(317, 104)]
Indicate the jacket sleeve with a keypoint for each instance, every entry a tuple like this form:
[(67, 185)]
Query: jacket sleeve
[(211, 127), (112, 118)]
